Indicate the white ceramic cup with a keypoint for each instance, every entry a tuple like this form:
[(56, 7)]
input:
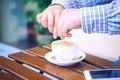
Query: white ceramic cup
[(65, 50)]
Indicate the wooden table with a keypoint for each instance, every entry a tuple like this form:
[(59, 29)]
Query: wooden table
[(14, 69)]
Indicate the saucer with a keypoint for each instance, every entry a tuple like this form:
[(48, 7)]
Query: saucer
[(52, 59)]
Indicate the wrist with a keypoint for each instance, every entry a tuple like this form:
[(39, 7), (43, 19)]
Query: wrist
[(57, 5)]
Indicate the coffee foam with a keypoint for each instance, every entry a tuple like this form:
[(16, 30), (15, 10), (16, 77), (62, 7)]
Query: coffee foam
[(64, 43)]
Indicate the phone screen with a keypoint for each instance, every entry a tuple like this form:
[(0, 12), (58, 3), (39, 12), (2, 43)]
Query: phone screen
[(105, 74)]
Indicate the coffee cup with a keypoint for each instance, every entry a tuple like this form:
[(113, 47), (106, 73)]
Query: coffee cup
[(65, 50)]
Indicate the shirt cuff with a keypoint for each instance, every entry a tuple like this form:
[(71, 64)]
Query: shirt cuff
[(63, 3), (93, 19)]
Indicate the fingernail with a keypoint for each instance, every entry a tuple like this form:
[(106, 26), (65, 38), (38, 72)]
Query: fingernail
[(54, 37)]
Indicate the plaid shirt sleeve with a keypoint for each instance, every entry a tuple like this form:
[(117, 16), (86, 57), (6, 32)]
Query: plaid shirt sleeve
[(102, 18)]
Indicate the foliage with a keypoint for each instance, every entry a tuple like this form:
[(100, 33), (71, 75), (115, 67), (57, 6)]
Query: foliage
[(32, 8)]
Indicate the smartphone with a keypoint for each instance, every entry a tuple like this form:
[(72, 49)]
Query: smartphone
[(102, 74)]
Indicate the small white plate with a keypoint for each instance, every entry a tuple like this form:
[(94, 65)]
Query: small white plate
[(51, 58)]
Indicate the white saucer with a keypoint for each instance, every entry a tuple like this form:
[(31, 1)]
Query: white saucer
[(51, 58)]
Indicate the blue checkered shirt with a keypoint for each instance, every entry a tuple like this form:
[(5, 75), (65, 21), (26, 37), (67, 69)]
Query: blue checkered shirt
[(97, 16)]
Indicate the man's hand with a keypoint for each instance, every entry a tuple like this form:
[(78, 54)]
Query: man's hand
[(49, 18), (69, 19)]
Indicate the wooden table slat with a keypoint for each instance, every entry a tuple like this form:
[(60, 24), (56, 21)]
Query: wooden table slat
[(38, 51), (100, 62), (20, 70), (8, 76), (47, 46), (45, 66)]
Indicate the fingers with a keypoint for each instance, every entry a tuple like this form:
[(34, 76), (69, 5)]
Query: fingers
[(44, 20), (55, 31), (57, 23), (51, 20), (38, 17), (63, 30), (66, 33), (47, 20)]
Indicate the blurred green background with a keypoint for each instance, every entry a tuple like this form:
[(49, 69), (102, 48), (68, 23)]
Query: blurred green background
[(18, 25), (32, 8)]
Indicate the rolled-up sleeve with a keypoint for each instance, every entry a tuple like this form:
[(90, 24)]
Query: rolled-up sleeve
[(102, 18)]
